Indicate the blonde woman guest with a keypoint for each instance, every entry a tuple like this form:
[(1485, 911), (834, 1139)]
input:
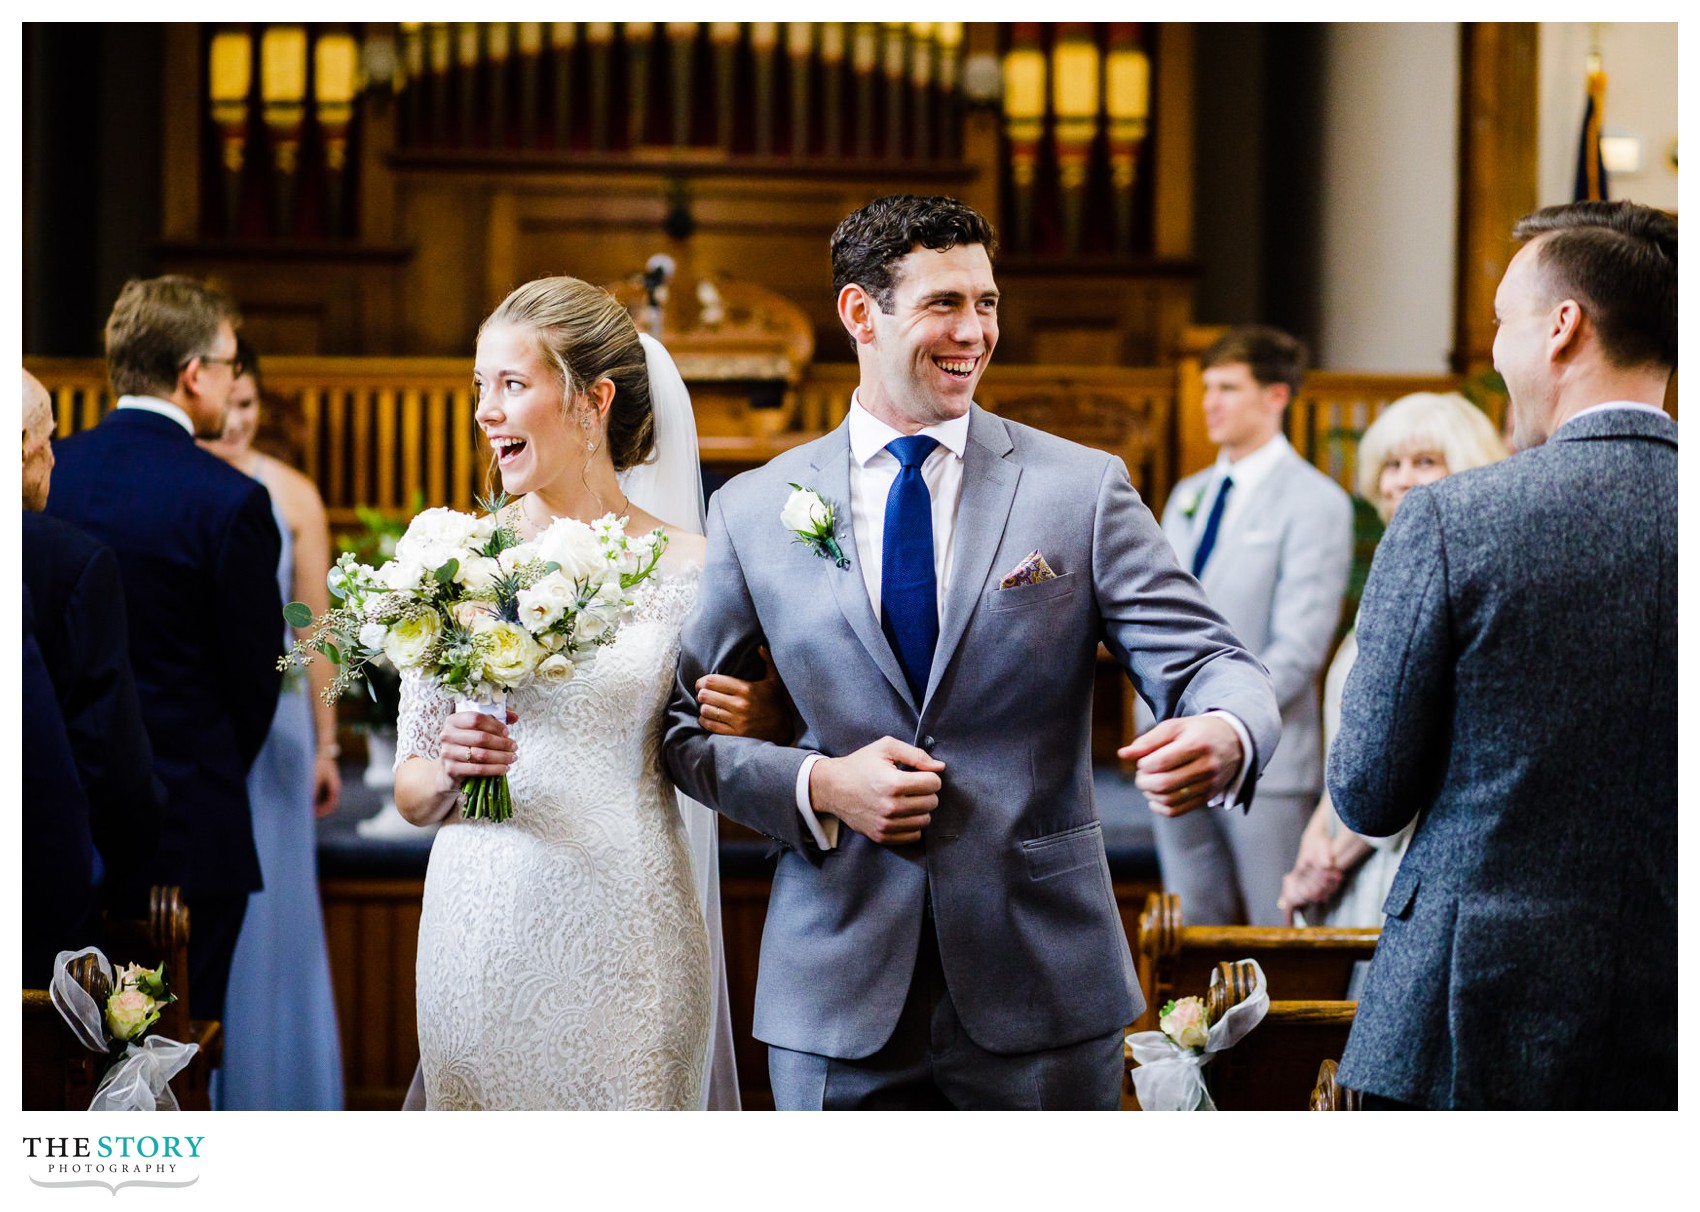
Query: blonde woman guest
[(281, 1047), (1341, 878)]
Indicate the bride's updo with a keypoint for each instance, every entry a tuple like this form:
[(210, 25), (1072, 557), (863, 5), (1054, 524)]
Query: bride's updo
[(589, 337)]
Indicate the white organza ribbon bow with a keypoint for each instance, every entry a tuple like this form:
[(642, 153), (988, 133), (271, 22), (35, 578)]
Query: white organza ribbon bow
[(1170, 1077), (141, 1080)]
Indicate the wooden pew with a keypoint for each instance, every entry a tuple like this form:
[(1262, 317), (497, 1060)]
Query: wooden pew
[(1174, 960), (1329, 1094), (1275, 1066), (60, 1074)]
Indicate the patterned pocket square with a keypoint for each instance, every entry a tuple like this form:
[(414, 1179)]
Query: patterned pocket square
[(1030, 571)]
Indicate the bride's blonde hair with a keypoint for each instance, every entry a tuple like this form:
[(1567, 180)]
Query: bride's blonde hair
[(589, 337)]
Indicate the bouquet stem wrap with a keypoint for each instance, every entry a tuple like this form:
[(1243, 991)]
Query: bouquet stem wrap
[(485, 797), (1170, 1077), (140, 1081)]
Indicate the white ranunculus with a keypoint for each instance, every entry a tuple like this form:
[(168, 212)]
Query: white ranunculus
[(805, 513), (556, 668), (410, 641), (571, 544), (509, 653)]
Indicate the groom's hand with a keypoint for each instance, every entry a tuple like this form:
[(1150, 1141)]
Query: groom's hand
[(871, 792), (1185, 763)]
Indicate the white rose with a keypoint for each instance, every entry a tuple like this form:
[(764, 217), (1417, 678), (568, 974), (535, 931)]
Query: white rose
[(402, 575), (513, 557), (477, 573), (410, 641), (609, 591), (590, 626), (805, 513), (555, 668), (544, 603), (572, 545), (509, 653), (436, 536), (372, 636)]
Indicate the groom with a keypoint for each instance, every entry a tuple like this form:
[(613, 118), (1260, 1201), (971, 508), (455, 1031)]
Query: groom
[(942, 931)]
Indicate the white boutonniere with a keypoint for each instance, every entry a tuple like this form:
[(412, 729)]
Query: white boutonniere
[(1191, 502), (812, 520)]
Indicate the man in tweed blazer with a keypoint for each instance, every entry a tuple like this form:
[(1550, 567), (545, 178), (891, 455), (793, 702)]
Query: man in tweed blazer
[(1269, 538), (942, 930), (1516, 686)]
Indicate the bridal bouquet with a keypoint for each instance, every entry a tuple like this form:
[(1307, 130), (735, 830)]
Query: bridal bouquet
[(477, 612)]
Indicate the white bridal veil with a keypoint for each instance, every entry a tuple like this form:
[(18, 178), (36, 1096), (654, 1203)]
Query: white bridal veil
[(670, 487)]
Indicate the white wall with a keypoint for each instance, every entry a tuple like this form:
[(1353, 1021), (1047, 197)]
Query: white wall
[(1389, 198), (1640, 67)]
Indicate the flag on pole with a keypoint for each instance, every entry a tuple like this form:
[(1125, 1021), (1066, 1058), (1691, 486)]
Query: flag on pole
[(1590, 164)]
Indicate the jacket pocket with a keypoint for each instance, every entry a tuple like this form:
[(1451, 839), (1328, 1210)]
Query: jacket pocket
[(1059, 853), (1402, 894), (1018, 596)]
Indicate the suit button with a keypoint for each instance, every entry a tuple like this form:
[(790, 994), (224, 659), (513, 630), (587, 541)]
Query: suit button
[(927, 743)]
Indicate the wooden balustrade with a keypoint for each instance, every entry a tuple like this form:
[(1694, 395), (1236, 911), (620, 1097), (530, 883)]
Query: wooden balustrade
[(384, 432)]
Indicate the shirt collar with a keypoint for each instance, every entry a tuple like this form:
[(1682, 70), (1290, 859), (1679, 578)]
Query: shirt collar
[(1616, 406), (869, 435), (164, 408), (1255, 467)]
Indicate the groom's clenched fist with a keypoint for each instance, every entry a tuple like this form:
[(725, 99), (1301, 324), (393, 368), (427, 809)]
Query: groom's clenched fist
[(885, 791)]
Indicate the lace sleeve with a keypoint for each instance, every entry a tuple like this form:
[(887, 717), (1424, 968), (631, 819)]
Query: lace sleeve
[(419, 725)]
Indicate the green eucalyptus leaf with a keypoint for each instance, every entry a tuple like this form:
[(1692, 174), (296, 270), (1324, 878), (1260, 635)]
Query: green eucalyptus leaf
[(330, 651), (447, 572), (298, 614)]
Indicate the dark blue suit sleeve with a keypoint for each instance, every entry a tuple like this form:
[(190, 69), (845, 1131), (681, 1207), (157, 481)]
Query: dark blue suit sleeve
[(1396, 711), (249, 615)]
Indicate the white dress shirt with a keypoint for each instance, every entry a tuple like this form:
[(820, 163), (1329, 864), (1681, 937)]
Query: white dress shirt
[(1249, 473), (164, 408), (873, 470)]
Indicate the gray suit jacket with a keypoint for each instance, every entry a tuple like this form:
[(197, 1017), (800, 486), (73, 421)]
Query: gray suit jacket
[(1516, 685), (1278, 577), (1029, 936)]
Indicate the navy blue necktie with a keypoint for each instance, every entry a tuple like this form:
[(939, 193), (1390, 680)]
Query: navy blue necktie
[(909, 591), (1211, 525)]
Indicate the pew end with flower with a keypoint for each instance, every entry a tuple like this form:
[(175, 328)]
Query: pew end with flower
[(111, 1013), (468, 606), (1171, 1060)]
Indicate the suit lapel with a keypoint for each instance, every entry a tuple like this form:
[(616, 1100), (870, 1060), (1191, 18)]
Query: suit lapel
[(988, 491), (832, 465)]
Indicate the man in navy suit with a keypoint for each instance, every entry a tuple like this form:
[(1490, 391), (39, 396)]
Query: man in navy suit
[(80, 634), (1515, 691), (198, 552)]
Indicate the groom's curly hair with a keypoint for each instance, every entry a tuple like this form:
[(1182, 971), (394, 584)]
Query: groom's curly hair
[(869, 243)]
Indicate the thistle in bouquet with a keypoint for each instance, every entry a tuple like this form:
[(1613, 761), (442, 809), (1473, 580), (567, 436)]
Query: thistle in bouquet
[(480, 613)]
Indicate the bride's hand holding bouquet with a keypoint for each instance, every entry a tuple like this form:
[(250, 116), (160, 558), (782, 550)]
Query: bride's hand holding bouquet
[(477, 612)]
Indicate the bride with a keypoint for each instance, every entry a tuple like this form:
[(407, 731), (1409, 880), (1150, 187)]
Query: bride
[(565, 957)]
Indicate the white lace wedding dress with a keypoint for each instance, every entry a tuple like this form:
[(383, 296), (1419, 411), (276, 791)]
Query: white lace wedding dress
[(563, 959)]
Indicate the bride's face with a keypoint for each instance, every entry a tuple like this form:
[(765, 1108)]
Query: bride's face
[(523, 412)]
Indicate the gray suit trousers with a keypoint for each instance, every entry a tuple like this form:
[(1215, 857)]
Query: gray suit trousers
[(1258, 847), (930, 1064)]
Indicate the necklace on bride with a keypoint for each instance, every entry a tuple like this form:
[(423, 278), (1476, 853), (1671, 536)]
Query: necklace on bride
[(540, 526)]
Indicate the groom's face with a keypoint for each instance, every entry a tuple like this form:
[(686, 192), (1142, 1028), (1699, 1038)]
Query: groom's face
[(930, 350)]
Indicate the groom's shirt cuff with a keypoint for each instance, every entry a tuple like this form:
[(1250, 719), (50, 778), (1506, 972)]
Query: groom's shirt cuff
[(824, 828), (1231, 799)]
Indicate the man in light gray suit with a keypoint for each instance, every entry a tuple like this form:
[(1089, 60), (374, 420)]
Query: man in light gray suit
[(942, 931), (1269, 538), (1515, 691)]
